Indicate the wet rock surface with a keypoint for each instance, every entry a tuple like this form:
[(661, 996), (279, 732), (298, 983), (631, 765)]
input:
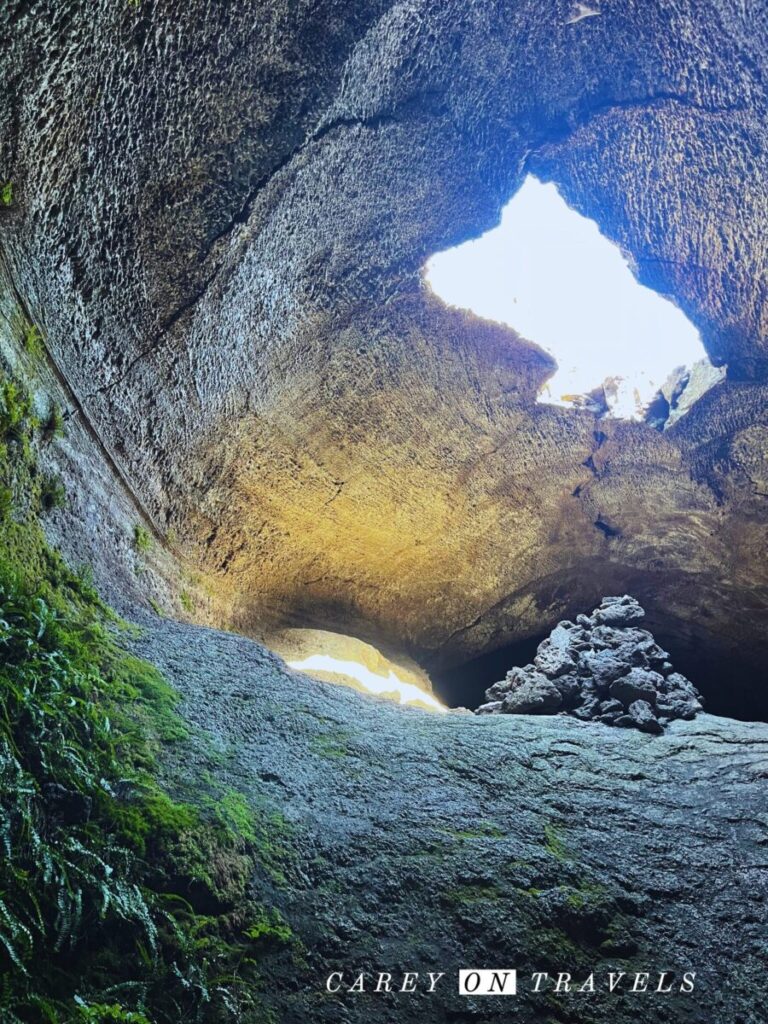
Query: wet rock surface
[(416, 841), (601, 667)]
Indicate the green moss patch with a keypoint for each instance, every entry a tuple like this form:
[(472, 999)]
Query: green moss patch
[(119, 902)]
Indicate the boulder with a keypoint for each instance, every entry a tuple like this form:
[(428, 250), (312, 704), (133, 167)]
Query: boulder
[(618, 611), (536, 696), (641, 713), (638, 684)]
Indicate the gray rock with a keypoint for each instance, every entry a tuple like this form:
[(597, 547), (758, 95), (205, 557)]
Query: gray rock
[(638, 684), (536, 696), (618, 611), (553, 657), (570, 687), (491, 708), (608, 706), (599, 669), (605, 666), (641, 713)]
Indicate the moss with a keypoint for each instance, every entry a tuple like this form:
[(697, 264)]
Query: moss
[(476, 893), (52, 493), (155, 607), (185, 600), (33, 341), (269, 928), (235, 814), (142, 539), (96, 853), (6, 503), (554, 844), (53, 425), (333, 745), (6, 194), (482, 831)]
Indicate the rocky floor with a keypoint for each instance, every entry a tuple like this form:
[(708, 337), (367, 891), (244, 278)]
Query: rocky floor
[(399, 840)]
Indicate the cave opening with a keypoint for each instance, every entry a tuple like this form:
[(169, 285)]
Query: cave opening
[(549, 273)]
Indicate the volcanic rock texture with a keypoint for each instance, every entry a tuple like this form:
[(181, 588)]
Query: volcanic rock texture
[(416, 841), (219, 216), (602, 668)]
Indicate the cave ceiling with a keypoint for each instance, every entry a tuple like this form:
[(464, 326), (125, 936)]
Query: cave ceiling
[(221, 216)]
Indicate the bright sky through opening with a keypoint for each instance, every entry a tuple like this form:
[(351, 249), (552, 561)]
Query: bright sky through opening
[(549, 273), (407, 693)]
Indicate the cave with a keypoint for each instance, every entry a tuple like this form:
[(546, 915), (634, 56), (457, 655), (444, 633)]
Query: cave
[(288, 494)]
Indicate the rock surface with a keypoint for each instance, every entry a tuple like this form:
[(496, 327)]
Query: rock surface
[(412, 841), (218, 220), (600, 667)]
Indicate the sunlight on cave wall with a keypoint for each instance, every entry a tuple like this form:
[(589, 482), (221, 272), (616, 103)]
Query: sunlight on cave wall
[(384, 686), (550, 274)]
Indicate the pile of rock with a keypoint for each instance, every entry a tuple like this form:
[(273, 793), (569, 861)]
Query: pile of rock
[(601, 668)]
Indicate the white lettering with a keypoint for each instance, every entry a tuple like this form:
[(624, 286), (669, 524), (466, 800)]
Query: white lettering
[(329, 987), (640, 983), (614, 979), (433, 980), (487, 983), (409, 981), (688, 980)]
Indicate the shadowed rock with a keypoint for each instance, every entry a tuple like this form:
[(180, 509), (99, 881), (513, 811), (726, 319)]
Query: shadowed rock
[(601, 667)]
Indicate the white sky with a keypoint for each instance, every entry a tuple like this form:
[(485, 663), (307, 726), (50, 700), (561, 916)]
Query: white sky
[(549, 273)]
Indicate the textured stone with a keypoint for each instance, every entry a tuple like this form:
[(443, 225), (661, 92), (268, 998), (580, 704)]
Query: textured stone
[(618, 611), (502, 837), (286, 403), (636, 685), (641, 713), (607, 677), (535, 695)]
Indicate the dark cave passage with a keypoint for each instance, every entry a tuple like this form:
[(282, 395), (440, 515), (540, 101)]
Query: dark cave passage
[(727, 683)]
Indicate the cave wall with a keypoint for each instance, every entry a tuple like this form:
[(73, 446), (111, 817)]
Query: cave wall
[(219, 217)]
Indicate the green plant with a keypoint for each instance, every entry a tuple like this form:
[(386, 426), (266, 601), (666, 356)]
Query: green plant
[(553, 843), (17, 420), (103, 1013), (94, 853), (53, 426), (6, 503), (269, 928), (142, 539), (33, 341), (6, 194), (185, 600), (52, 493)]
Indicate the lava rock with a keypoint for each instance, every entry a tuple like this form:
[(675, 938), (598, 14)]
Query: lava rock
[(491, 708), (638, 684), (535, 695), (641, 713), (605, 667), (601, 668), (619, 611), (553, 657)]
